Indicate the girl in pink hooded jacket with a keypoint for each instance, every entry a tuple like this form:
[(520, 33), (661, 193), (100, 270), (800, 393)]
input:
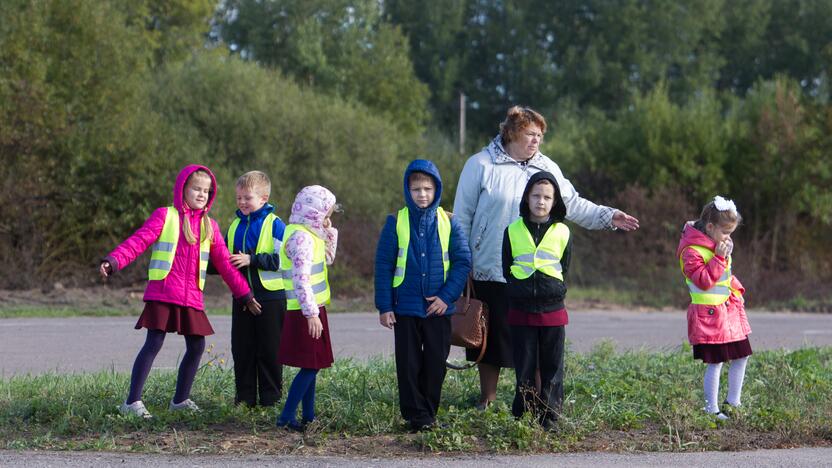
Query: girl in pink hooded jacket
[(173, 297), (718, 328)]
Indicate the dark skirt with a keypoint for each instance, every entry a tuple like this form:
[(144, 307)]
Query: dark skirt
[(172, 318), (723, 352), (298, 348), (498, 351)]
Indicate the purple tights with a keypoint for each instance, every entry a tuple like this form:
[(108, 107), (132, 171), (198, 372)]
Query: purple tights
[(194, 347)]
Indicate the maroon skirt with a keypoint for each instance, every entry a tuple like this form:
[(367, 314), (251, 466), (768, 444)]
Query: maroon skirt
[(174, 318), (298, 348), (723, 352)]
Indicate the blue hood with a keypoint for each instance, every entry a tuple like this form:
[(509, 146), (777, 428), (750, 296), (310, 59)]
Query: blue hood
[(422, 165)]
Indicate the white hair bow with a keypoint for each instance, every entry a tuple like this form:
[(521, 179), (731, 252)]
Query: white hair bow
[(722, 204)]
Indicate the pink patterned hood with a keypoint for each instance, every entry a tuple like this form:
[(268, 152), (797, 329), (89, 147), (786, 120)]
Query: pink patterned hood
[(311, 207)]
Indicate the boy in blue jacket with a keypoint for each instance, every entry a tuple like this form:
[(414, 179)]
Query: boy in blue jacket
[(254, 240), (422, 263)]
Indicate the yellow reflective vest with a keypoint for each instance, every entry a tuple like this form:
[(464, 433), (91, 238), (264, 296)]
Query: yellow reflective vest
[(318, 275), (719, 292), (545, 257), (443, 224), (271, 280), (164, 249)]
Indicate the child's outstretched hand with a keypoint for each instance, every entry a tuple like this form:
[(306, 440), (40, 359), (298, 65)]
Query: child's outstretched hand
[(239, 260), (387, 320), (316, 328), (254, 307), (105, 270), (437, 307)]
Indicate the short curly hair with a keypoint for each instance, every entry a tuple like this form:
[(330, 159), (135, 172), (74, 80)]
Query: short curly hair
[(517, 120)]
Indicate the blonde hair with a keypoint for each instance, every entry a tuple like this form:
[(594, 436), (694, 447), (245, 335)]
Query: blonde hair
[(205, 228), (257, 181), (519, 119)]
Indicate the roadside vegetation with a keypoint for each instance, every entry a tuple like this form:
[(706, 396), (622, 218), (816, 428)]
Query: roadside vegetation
[(614, 401)]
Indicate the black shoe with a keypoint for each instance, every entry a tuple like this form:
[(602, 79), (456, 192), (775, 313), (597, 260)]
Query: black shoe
[(549, 424), (728, 409), (422, 427), (291, 426)]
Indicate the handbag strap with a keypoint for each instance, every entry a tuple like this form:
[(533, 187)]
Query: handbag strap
[(484, 328)]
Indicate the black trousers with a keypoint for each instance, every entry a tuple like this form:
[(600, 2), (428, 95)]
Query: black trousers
[(538, 347), (255, 340), (422, 346)]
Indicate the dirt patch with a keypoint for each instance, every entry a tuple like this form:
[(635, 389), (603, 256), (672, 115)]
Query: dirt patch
[(237, 441)]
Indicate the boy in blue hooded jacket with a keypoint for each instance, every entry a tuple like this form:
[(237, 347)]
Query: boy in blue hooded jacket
[(422, 263)]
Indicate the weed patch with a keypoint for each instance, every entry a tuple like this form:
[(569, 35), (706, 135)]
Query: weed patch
[(613, 401)]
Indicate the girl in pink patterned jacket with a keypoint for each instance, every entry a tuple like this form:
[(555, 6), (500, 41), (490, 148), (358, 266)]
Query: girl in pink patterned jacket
[(173, 297), (309, 244), (718, 327)]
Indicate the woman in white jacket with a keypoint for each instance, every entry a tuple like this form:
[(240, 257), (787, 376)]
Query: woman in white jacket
[(487, 200)]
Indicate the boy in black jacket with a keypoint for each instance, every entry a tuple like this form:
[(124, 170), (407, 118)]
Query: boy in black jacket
[(536, 254)]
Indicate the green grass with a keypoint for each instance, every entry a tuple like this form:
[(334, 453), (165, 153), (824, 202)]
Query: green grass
[(629, 401)]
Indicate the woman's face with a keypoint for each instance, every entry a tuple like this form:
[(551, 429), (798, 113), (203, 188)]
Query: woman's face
[(527, 142)]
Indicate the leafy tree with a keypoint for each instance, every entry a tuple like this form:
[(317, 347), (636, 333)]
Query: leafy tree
[(172, 29), (340, 46)]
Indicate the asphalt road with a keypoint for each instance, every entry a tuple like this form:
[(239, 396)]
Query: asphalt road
[(803, 457), (67, 345)]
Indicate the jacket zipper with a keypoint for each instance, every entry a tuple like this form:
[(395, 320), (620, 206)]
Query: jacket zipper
[(534, 273), (245, 235)]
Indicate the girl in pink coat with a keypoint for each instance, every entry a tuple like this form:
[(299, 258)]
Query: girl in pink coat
[(183, 239), (718, 328)]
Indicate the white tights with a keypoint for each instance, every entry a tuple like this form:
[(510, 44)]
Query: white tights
[(736, 376)]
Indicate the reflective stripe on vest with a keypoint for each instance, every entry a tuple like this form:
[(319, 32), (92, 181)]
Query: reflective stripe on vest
[(271, 280), (719, 292), (443, 225), (164, 250), (544, 257), (317, 276)]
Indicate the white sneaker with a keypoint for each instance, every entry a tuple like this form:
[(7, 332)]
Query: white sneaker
[(135, 409), (188, 404)]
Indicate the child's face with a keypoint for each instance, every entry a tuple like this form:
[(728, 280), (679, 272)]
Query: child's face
[(422, 192), (197, 191), (541, 199), (250, 200), (720, 232)]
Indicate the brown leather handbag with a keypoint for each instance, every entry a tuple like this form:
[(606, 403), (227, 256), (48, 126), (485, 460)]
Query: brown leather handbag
[(469, 325)]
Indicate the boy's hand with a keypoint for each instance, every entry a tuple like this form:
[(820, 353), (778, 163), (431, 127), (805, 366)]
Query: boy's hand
[(105, 270), (387, 320), (239, 260), (254, 307), (437, 307), (316, 328)]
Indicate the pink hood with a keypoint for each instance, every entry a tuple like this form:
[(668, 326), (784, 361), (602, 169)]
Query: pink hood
[(181, 286), (311, 207), (179, 188), (693, 236), (711, 324)]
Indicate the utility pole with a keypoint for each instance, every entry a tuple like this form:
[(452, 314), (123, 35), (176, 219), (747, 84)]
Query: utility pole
[(461, 123)]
